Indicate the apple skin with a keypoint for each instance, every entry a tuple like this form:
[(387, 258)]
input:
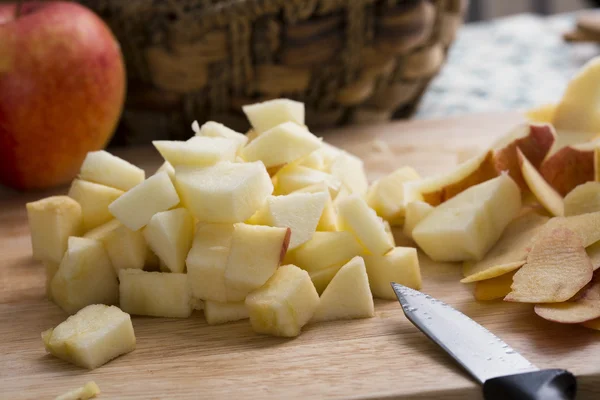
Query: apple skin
[(62, 86)]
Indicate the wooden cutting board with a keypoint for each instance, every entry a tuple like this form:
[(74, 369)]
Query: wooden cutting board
[(377, 358)]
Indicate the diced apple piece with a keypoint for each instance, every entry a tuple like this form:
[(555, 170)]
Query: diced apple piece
[(199, 151), (314, 160), (268, 114), (401, 265), (281, 144), (467, 226), (350, 170), (583, 309), (386, 195), (51, 268), (557, 268), (135, 208), (92, 337), (94, 200), (256, 252), (85, 276), (494, 288), (104, 168), (326, 249), (295, 177), (533, 140), (207, 260), (51, 221), (284, 304), (168, 168), (328, 220), (103, 231), (126, 249), (583, 199), (542, 114), (546, 195), (438, 189), (87, 391), (321, 278), (215, 129), (584, 225), (157, 294), (300, 212), (225, 192), (414, 213), (169, 234), (570, 167), (354, 215), (348, 295), (221, 313), (577, 110)]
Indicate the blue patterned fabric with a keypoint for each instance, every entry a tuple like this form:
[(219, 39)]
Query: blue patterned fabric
[(507, 64)]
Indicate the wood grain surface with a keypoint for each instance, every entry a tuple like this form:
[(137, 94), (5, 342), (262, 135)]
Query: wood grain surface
[(384, 357)]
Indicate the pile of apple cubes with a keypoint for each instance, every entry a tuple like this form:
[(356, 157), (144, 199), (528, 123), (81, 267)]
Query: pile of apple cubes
[(241, 229)]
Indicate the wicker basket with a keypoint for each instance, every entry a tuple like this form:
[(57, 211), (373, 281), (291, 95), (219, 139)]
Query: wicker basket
[(350, 61)]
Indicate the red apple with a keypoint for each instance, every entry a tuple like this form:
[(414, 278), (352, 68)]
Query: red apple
[(62, 87)]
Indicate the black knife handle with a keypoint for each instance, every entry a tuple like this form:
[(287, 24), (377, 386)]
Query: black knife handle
[(547, 384)]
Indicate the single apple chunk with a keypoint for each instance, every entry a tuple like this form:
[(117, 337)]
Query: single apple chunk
[(220, 313), (169, 234), (350, 170), (326, 249), (126, 249), (87, 391), (85, 276), (92, 337), (281, 144), (467, 226), (215, 129), (109, 170), (401, 265), (414, 213), (168, 168), (103, 231), (348, 294), (52, 221), (583, 199), (268, 114), (207, 260), (328, 220), (135, 208), (156, 294), (199, 151), (284, 304), (294, 177), (225, 192), (300, 212), (386, 195), (256, 252), (354, 215), (94, 200)]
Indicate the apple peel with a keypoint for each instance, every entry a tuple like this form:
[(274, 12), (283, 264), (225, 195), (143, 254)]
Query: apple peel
[(584, 225), (584, 309), (593, 253), (546, 195), (557, 268), (493, 272)]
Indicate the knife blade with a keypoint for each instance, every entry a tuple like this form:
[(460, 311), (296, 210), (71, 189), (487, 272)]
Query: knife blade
[(504, 373)]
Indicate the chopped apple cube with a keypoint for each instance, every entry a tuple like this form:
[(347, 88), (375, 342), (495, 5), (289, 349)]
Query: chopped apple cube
[(350, 170), (401, 265), (85, 276), (583, 199), (168, 168), (94, 200), (467, 226), (207, 260), (126, 249), (225, 192), (109, 170), (314, 160), (103, 231), (268, 114), (414, 213), (297, 177), (328, 220), (284, 304), (321, 278), (354, 215), (157, 294), (221, 313), (326, 249), (300, 212), (281, 144), (87, 391), (256, 252), (386, 195), (199, 151), (92, 337), (215, 129), (348, 294), (169, 234), (135, 208), (546, 195), (51, 221)]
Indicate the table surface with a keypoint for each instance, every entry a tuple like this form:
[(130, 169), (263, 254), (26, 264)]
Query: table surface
[(376, 358)]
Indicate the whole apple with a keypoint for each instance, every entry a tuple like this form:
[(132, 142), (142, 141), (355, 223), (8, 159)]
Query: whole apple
[(62, 88)]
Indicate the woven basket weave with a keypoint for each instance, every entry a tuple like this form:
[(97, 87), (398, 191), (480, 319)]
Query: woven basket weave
[(350, 61)]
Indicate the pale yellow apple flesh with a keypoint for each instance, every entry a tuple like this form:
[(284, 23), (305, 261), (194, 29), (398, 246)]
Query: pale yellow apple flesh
[(583, 199), (268, 114), (546, 195), (386, 195), (350, 170), (106, 169), (87, 391), (220, 313), (414, 213), (400, 265), (326, 249), (199, 151), (126, 248), (94, 200), (215, 129), (169, 234)]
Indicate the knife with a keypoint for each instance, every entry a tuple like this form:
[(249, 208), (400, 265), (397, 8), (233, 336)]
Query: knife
[(503, 372)]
